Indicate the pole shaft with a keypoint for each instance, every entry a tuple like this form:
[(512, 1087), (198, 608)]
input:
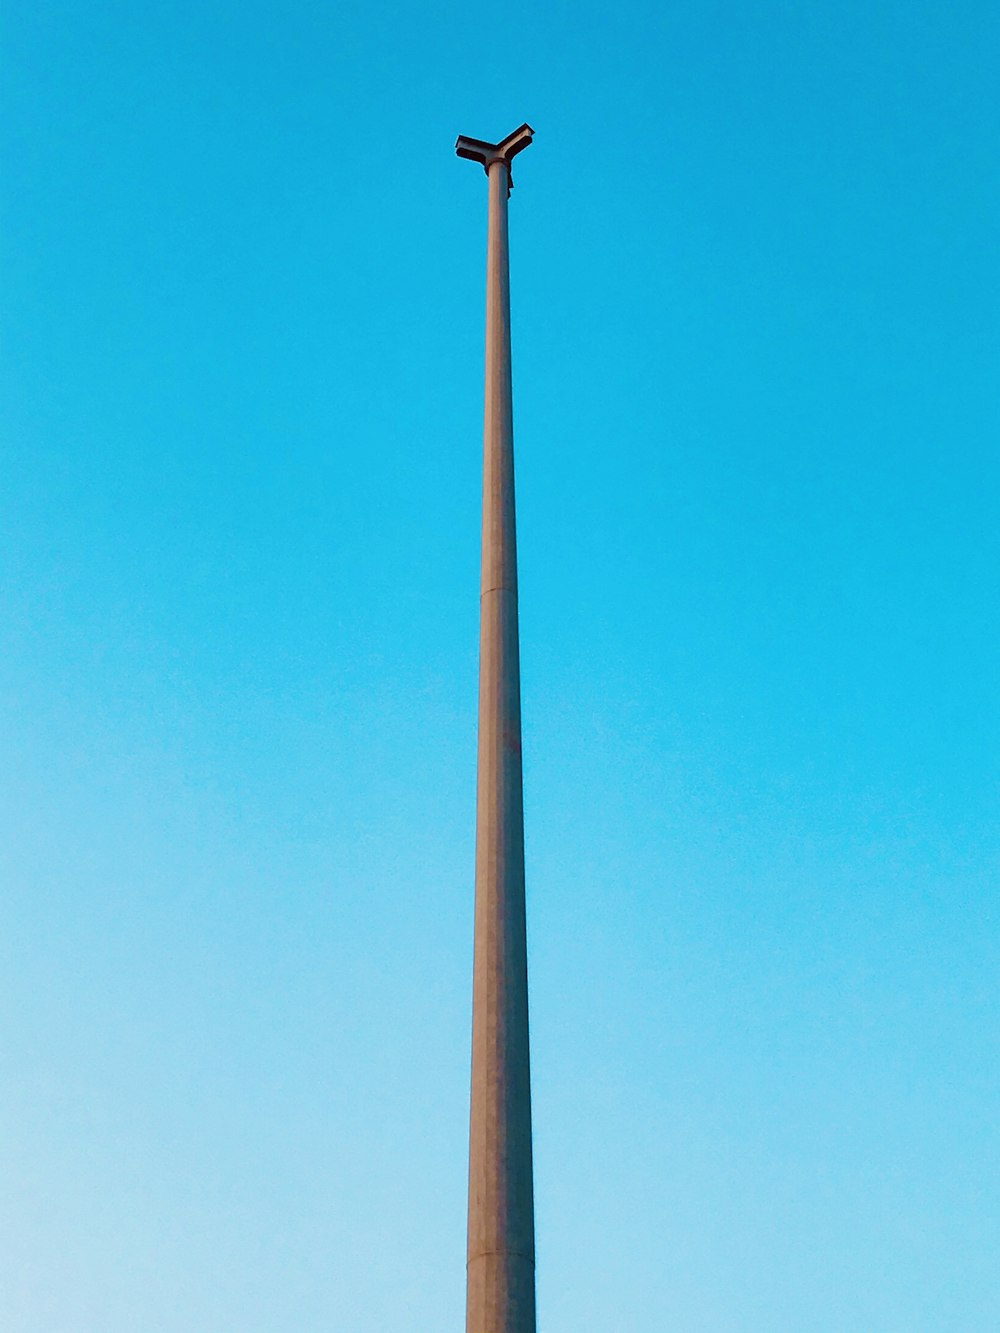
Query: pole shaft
[(501, 1269)]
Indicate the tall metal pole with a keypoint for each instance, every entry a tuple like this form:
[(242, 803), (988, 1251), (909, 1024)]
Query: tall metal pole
[(501, 1259)]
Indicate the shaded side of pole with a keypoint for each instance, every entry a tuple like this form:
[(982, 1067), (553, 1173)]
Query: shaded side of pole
[(501, 1255)]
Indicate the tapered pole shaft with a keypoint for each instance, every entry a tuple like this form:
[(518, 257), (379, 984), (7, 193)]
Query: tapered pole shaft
[(501, 1268)]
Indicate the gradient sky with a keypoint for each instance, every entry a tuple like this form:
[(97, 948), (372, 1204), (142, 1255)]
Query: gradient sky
[(756, 282)]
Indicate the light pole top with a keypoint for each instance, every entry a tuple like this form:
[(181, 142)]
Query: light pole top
[(478, 150)]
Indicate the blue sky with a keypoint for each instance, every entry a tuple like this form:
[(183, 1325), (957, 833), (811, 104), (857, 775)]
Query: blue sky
[(756, 281)]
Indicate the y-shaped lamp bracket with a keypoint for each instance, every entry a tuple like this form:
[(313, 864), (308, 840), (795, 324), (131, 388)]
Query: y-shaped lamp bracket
[(478, 150)]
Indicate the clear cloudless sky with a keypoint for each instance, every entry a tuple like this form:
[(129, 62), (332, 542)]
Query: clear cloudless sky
[(756, 332)]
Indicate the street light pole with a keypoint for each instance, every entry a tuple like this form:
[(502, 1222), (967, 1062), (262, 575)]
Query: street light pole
[(501, 1255)]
